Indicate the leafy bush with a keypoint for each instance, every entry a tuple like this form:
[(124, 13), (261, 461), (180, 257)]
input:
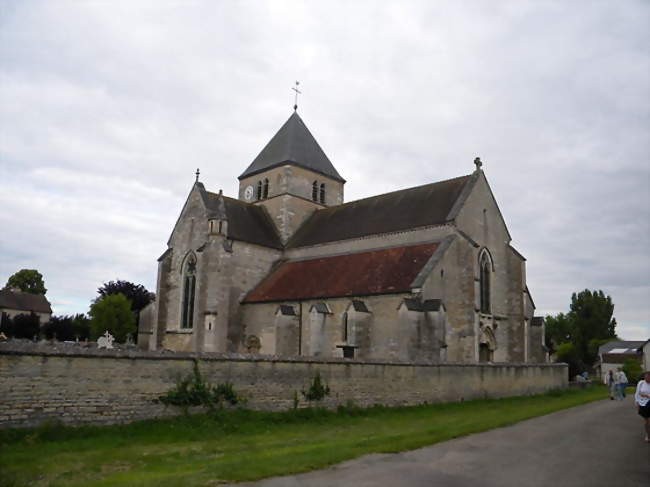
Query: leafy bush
[(59, 327), (22, 326), (192, 390), (67, 327), (317, 391)]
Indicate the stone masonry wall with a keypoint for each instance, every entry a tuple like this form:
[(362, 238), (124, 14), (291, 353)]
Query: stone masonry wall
[(108, 387)]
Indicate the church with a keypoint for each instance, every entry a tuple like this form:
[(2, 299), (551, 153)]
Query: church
[(288, 268)]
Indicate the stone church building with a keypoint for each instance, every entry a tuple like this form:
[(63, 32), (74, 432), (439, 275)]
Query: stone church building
[(288, 268)]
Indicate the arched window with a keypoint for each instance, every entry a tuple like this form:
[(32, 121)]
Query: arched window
[(322, 193), (189, 286), (486, 268), (314, 191), (266, 188), (259, 190)]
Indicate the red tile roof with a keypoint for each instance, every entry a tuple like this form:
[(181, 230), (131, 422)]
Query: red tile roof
[(374, 272)]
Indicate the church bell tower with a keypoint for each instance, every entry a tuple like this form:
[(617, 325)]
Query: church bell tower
[(292, 177)]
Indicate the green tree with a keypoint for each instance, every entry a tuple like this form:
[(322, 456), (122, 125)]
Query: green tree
[(113, 314), (633, 370), (28, 281), (81, 325), (137, 294), (592, 317), (568, 353), (559, 329), (588, 324)]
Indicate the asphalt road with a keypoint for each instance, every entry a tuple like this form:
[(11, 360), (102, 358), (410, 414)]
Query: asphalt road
[(599, 444)]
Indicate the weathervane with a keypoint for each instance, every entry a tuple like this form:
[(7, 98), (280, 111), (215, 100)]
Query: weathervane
[(298, 92), (197, 174)]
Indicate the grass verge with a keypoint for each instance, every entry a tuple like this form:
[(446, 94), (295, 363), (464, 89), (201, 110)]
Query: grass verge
[(237, 445)]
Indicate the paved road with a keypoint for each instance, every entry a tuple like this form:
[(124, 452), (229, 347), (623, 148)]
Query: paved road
[(600, 444)]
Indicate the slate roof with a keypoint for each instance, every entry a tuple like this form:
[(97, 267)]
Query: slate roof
[(431, 204), (246, 222), (414, 304), (287, 310), (628, 346), (293, 144), (24, 301), (366, 273), (619, 358), (360, 306)]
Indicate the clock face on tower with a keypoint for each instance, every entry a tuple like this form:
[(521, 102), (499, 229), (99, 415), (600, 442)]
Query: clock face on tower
[(248, 193)]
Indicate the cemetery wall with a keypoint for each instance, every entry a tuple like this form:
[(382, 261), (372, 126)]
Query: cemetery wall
[(112, 386)]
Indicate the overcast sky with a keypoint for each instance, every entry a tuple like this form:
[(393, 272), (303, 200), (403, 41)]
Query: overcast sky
[(108, 107)]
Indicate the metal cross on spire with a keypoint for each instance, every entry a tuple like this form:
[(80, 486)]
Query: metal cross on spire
[(197, 174), (298, 92)]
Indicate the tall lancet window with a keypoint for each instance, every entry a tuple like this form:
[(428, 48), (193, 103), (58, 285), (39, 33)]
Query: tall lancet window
[(322, 193), (486, 268), (266, 188), (189, 287), (259, 190), (314, 191)]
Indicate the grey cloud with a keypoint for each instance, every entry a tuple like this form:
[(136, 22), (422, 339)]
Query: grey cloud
[(107, 108)]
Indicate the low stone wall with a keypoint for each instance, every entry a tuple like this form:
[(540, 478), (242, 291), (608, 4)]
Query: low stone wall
[(86, 386)]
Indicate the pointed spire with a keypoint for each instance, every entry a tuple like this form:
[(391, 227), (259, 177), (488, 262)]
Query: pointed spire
[(293, 144)]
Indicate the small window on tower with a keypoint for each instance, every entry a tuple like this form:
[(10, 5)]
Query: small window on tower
[(314, 191), (322, 193), (266, 188)]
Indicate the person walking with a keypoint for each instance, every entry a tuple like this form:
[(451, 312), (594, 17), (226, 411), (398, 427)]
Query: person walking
[(611, 384), (621, 380), (642, 400)]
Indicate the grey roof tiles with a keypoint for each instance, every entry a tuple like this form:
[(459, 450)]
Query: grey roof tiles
[(402, 210), (293, 144), (24, 301)]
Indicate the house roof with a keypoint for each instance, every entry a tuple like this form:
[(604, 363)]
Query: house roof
[(421, 206), (383, 271), (293, 144), (620, 347), (246, 222), (619, 358), (37, 303)]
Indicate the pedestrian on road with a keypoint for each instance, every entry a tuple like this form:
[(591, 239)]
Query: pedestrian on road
[(611, 383), (642, 400), (621, 380)]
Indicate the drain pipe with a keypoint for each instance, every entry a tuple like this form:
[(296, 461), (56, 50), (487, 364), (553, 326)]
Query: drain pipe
[(299, 328)]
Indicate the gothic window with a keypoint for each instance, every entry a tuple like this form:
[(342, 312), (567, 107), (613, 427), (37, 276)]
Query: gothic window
[(189, 286), (346, 331), (322, 193), (485, 270), (314, 191), (266, 188), (259, 190)]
